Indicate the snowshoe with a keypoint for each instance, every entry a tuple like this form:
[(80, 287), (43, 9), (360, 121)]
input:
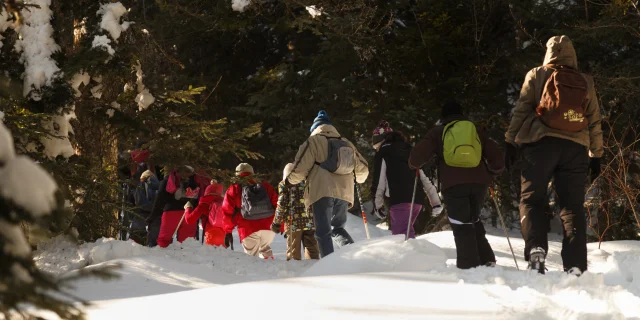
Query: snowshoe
[(536, 260), (490, 264)]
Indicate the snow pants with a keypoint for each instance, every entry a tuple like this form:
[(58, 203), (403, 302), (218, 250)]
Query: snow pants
[(464, 202), (400, 218), (567, 163), (138, 228), (214, 236), (298, 239), (259, 244), (330, 217), (170, 221), (154, 230)]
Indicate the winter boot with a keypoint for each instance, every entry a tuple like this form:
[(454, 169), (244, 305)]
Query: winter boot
[(575, 271), (490, 264), (536, 260)]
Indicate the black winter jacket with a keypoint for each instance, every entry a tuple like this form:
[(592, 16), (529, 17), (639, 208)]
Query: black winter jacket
[(166, 201)]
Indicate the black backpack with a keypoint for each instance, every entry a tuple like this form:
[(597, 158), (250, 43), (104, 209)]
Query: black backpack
[(256, 203)]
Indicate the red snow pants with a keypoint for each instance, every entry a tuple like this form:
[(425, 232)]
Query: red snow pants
[(170, 220)]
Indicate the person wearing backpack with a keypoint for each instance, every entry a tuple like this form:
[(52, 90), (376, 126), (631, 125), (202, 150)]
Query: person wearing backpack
[(250, 206), (297, 219), (178, 188), (393, 179), (555, 127), (210, 207), (467, 161), (329, 163), (144, 195)]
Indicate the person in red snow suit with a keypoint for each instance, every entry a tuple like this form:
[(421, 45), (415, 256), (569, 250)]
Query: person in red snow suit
[(250, 206), (209, 206), (174, 192)]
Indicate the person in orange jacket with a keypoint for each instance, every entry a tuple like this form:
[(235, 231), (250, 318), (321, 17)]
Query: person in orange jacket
[(210, 206), (250, 206)]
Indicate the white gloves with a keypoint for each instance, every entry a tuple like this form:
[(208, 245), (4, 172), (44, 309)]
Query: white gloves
[(188, 205), (436, 210)]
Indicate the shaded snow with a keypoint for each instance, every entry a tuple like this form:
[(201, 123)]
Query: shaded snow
[(110, 22), (239, 5), (81, 78), (36, 45), (7, 150), (103, 42), (16, 244), (28, 185)]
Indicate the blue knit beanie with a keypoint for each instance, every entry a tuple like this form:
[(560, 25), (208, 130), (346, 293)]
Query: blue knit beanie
[(321, 119)]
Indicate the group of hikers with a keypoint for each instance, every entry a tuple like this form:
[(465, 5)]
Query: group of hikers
[(554, 133)]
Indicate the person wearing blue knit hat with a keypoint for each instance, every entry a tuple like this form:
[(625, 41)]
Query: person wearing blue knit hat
[(329, 179), (321, 119)]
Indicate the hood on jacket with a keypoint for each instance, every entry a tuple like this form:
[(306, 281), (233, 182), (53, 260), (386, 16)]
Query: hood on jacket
[(326, 130), (214, 189), (287, 171), (560, 51)]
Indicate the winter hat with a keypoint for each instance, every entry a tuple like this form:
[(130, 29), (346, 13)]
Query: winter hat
[(451, 108), (214, 189), (287, 171), (145, 175), (321, 119), (380, 133), (244, 169)]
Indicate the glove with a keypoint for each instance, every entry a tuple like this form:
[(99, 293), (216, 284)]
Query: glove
[(275, 227), (188, 205), (228, 240), (379, 213), (510, 155), (436, 210), (594, 166)]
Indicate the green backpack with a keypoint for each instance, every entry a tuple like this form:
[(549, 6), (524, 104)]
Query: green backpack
[(461, 144)]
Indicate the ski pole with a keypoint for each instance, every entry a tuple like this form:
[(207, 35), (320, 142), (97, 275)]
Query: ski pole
[(178, 227), (504, 226), (204, 227), (364, 215), (413, 200)]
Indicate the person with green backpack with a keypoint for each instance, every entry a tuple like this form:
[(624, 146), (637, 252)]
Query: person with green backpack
[(467, 162)]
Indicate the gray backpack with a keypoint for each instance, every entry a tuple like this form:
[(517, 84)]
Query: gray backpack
[(341, 158), (256, 203)]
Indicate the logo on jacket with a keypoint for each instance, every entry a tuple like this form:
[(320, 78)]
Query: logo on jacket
[(573, 116)]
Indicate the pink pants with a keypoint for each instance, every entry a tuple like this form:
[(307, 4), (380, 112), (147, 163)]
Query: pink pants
[(170, 220)]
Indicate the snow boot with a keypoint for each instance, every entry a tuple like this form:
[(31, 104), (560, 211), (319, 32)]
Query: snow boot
[(575, 271), (536, 260), (490, 264)]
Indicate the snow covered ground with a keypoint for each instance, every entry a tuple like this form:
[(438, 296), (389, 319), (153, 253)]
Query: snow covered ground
[(381, 278)]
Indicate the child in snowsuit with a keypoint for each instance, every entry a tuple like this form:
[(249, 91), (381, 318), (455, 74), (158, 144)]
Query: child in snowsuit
[(144, 196), (291, 211), (464, 188), (250, 206), (393, 179), (210, 207), (174, 192)]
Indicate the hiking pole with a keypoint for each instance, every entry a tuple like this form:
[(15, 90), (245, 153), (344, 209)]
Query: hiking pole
[(364, 215), (204, 228), (178, 227), (413, 200), (504, 226)]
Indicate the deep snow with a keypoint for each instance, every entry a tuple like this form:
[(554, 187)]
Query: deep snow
[(381, 278)]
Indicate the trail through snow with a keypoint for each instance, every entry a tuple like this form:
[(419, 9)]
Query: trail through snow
[(381, 278)]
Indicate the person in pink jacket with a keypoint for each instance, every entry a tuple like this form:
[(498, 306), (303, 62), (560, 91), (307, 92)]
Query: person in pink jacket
[(210, 206)]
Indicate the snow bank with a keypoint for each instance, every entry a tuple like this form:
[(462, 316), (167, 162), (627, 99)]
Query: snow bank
[(239, 5), (388, 254), (28, 185), (37, 45), (59, 256)]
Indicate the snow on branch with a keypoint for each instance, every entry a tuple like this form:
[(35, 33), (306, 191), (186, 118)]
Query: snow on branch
[(36, 44), (111, 14), (314, 12), (5, 23), (144, 98), (240, 5), (58, 143)]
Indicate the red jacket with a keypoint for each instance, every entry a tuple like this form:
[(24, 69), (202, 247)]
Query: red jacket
[(232, 203)]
